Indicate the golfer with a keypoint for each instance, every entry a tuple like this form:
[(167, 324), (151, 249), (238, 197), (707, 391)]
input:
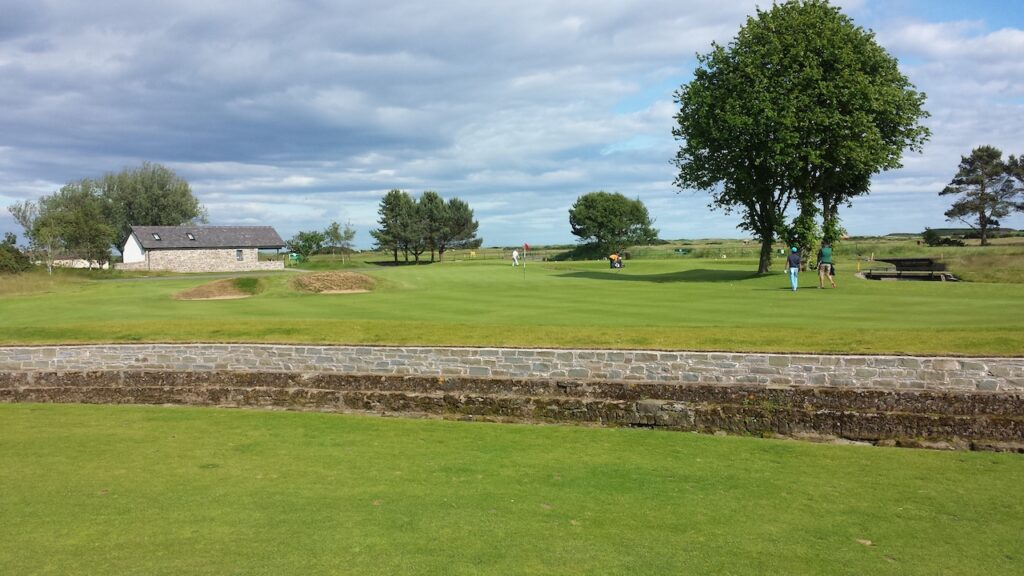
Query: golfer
[(825, 265), (793, 264), (515, 257)]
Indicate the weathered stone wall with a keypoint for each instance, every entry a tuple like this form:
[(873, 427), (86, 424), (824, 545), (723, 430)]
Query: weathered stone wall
[(967, 403), (202, 260), (712, 368)]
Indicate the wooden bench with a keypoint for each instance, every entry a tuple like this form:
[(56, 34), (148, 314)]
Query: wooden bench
[(911, 269)]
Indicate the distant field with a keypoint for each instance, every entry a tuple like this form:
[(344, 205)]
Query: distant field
[(96, 490), (665, 303)]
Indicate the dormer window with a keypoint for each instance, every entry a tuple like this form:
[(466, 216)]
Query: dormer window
[(156, 236), (190, 236)]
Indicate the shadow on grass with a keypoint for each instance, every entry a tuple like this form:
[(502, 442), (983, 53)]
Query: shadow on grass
[(399, 263), (698, 275)]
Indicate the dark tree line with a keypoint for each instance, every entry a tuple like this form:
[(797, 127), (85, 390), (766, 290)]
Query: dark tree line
[(414, 226)]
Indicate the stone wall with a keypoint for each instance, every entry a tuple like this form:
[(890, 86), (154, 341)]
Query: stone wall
[(202, 260), (959, 402), (712, 368)]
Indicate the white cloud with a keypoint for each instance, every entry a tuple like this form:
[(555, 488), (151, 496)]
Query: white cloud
[(297, 114)]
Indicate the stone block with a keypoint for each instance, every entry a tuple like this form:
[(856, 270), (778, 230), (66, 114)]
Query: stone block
[(945, 364), (778, 360)]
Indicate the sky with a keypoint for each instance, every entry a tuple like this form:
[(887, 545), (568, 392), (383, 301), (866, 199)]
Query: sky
[(297, 114)]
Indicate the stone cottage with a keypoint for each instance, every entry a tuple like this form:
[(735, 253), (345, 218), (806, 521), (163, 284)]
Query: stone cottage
[(199, 248)]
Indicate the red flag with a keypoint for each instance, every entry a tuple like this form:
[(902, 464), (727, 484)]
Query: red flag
[(526, 246)]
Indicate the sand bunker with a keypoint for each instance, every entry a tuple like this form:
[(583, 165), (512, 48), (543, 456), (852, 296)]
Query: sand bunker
[(219, 290), (334, 283)]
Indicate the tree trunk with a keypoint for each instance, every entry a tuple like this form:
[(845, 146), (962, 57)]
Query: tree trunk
[(765, 261), (983, 228)]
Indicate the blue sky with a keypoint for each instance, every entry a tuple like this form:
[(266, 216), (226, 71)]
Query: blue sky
[(295, 114)]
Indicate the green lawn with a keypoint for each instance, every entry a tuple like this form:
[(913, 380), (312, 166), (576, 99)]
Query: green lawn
[(691, 304), (146, 490)]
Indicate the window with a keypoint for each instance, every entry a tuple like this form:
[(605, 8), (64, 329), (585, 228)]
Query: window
[(156, 236), (190, 236), (238, 255)]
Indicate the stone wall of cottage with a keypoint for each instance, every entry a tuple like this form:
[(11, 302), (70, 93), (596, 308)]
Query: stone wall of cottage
[(203, 260)]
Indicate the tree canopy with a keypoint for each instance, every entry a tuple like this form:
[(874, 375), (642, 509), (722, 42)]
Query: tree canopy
[(414, 226), (987, 188), (150, 195), (86, 217), (611, 221), (306, 243), (802, 105), (337, 237)]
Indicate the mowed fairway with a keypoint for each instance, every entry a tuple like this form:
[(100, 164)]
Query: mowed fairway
[(687, 304), (147, 490)]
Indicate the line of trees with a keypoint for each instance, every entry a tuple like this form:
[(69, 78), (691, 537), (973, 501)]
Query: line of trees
[(414, 226), (86, 217), (333, 238), (799, 110)]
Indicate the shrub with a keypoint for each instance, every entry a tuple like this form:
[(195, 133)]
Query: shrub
[(12, 260), (932, 238)]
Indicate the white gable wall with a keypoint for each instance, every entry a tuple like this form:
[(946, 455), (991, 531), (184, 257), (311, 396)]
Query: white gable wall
[(133, 251)]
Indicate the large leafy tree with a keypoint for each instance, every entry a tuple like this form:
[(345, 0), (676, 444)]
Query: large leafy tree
[(73, 218), (987, 188), (802, 107), (611, 221), (150, 195)]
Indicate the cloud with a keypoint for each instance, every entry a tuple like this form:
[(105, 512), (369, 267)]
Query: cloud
[(296, 114)]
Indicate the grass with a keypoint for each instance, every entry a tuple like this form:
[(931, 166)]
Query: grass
[(689, 304), (147, 490)]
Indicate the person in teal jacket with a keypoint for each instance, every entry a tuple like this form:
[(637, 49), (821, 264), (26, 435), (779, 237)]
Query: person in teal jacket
[(825, 265)]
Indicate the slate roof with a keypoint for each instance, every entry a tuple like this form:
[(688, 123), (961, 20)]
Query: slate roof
[(176, 237)]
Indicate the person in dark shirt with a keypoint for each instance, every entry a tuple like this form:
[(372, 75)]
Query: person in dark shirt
[(793, 265), (825, 265)]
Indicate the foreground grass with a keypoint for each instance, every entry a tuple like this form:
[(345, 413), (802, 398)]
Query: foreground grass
[(147, 490), (662, 304)]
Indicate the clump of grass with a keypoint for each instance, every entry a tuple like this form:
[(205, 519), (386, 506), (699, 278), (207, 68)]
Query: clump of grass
[(1001, 268), (249, 285), (37, 281)]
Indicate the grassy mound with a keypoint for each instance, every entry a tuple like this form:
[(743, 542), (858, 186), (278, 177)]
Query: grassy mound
[(334, 282), (222, 290)]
